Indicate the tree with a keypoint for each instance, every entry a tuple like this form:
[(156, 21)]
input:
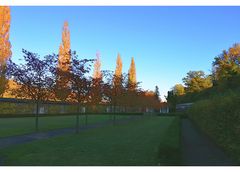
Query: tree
[(80, 85), (226, 66), (64, 48), (34, 78), (118, 70), (196, 81), (157, 94), (178, 90), (5, 46), (117, 87), (132, 85), (62, 87), (132, 75), (96, 88), (97, 67), (171, 100)]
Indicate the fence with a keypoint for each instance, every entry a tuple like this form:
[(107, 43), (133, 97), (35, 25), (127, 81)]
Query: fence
[(12, 106)]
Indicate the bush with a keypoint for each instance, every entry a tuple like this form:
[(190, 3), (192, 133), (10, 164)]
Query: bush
[(219, 117)]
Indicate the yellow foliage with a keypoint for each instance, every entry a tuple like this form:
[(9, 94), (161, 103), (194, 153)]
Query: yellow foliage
[(118, 71), (97, 67), (5, 46), (64, 56)]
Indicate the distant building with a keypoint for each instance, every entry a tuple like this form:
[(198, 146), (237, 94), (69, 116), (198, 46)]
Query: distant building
[(183, 106)]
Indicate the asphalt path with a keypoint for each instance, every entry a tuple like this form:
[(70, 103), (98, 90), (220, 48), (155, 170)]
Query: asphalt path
[(199, 150)]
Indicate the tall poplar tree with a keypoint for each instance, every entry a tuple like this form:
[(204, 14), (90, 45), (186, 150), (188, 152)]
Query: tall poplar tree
[(132, 81), (62, 89), (96, 88), (117, 88), (64, 48), (5, 45), (118, 71), (97, 67)]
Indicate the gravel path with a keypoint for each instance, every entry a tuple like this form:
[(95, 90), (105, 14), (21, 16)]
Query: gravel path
[(198, 150)]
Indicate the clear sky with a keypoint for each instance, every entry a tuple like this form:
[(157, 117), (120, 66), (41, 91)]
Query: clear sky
[(166, 42)]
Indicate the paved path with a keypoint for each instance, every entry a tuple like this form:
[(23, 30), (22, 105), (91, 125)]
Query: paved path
[(198, 150)]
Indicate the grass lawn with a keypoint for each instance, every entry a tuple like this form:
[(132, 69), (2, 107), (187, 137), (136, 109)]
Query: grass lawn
[(140, 142), (23, 125)]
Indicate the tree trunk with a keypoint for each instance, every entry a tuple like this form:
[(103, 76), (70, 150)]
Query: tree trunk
[(77, 120), (37, 115)]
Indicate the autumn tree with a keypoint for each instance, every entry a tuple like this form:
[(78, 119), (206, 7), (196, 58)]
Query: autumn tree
[(132, 75), (5, 46), (34, 78), (96, 88), (227, 64), (62, 87), (150, 100), (132, 84), (80, 85), (196, 81), (97, 67), (118, 70), (117, 87), (178, 90)]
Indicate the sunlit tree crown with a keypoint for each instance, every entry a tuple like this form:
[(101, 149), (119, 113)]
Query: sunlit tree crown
[(5, 45), (118, 71), (97, 67), (132, 73), (64, 57)]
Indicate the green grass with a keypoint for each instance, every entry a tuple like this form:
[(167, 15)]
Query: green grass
[(23, 125), (139, 142)]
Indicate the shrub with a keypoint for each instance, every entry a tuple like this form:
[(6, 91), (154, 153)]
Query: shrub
[(219, 117)]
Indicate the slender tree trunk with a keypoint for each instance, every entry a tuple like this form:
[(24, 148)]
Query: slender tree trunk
[(114, 114), (37, 115), (77, 120)]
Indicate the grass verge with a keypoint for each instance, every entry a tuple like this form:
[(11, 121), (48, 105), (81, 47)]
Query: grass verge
[(135, 143), (24, 125)]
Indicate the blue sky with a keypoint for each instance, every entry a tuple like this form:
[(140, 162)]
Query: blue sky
[(166, 42)]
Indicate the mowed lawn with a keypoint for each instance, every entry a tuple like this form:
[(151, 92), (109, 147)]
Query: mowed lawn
[(139, 142), (24, 125)]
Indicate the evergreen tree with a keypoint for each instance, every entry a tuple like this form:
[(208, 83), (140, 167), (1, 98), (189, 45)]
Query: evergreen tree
[(157, 94), (5, 46)]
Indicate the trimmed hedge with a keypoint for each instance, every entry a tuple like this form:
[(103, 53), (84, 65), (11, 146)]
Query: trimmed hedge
[(62, 114), (219, 117)]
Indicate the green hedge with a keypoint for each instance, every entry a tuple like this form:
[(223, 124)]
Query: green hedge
[(219, 117)]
